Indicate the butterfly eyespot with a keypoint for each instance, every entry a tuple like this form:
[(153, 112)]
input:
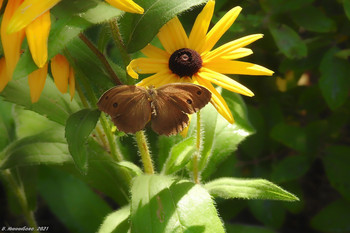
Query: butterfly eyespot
[(115, 105), (189, 101), (199, 92)]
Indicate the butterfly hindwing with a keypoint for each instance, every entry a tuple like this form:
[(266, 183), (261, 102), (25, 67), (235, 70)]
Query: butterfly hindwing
[(172, 103), (128, 106), (167, 118), (188, 97)]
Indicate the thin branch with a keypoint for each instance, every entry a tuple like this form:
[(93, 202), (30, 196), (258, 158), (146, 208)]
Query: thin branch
[(102, 58)]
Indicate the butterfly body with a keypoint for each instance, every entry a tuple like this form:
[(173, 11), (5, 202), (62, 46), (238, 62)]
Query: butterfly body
[(132, 107)]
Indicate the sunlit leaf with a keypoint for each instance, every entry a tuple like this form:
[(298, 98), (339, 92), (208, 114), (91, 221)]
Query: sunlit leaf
[(162, 204), (248, 189)]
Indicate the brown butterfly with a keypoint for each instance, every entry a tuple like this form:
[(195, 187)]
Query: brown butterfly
[(132, 107)]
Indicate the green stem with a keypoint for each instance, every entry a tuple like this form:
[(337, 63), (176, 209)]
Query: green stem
[(19, 192), (144, 152), (102, 58), (196, 155), (120, 44), (114, 150)]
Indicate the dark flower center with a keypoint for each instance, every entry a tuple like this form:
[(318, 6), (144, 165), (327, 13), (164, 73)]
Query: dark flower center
[(185, 62)]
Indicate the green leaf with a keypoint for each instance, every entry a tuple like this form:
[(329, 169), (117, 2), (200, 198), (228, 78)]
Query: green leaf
[(48, 147), (180, 155), (162, 204), (109, 177), (6, 124), (116, 222), (346, 5), (220, 137), (78, 128), (52, 103), (334, 81), (290, 168), (248, 189), (72, 17), (87, 65), (296, 137), (336, 163), (313, 19), (239, 228), (333, 218), (78, 207), (288, 41), (138, 30), (30, 123)]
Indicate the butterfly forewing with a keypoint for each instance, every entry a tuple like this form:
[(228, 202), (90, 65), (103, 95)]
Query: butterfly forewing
[(128, 107), (188, 97)]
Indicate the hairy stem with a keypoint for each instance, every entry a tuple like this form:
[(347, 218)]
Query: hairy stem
[(120, 44), (144, 152), (19, 192), (114, 150), (196, 155)]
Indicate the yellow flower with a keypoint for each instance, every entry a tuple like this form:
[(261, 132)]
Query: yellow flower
[(33, 18), (31, 9), (37, 32), (11, 43), (191, 59)]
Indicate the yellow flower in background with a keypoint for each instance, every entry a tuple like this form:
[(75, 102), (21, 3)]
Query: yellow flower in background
[(126, 5), (31, 9), (191, 59), (32, 18), (37, 33), (11, 43), (63, 74)]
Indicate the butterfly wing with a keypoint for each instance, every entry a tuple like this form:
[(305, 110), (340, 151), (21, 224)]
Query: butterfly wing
[(172, 103), (189, 97), (167, 118), (128, 107)]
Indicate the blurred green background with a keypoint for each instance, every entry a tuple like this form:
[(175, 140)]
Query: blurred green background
[(301, 117)]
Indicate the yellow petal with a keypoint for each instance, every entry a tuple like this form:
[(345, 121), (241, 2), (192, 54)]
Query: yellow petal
[(146, 66), (27, 12), (126, 5), (158, 79), (224, 81), (200, 27), (155, 52), (37, 33), (1, 1), (221, 27), (217, 101), (173, 36), (36, 82), (60, 72), (71, 82), (11, 43), (4, 78), (184, 132), (231, 46), (236, 54), (236, 67)]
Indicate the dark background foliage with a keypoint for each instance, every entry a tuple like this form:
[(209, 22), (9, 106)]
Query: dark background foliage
[(300, 115)]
